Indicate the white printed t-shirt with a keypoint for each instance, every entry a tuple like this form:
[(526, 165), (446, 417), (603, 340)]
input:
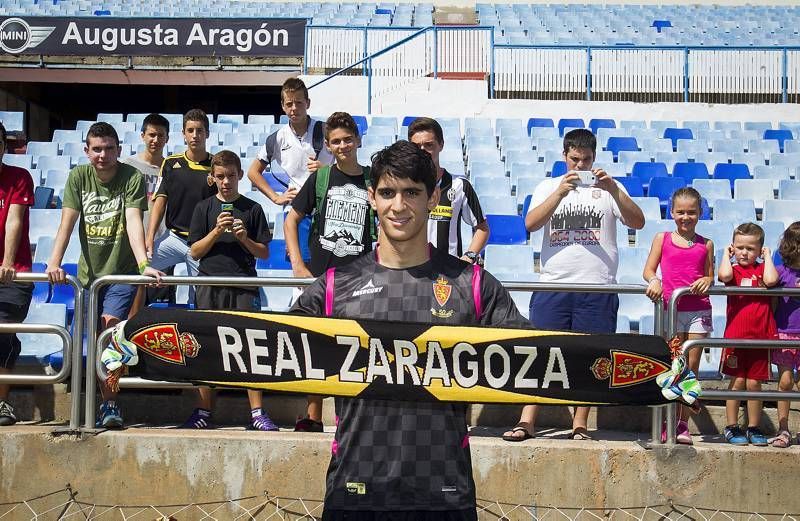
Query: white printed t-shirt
[(579, 241), (292, 152)]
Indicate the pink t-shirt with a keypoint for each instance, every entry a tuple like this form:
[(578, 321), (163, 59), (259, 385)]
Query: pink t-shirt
[(681, 267)]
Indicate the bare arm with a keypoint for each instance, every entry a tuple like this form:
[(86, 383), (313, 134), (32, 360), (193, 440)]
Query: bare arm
[(16, 215), (701, 285), (631, 214), (725, 272), (257, 249), (480, 236), (254, 173), (156, 215), (69, 216), (539, 215), (200, 249), (134, 227), (654, 289), (290, 225), (770, 273)]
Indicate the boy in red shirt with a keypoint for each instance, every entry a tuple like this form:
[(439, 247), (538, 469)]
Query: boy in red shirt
[(16, 197), (747, 317)]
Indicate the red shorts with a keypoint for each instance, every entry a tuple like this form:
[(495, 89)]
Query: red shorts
[(746, 363)]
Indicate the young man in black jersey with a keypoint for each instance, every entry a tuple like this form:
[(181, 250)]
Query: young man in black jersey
[(404, 460), (342, 226), (183, 184)]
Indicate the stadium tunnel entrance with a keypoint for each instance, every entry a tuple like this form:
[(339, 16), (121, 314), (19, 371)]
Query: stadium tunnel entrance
[(57, 98)]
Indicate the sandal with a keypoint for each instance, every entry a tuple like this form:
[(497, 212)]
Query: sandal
[(782, 440), (524, 427), (580, 433)]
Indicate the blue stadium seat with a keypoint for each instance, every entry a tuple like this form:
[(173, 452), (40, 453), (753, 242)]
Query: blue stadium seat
[(499, 205), (510, 261), (37, 344), (544, 133), (539, 122), (713, 189), (755, 191), (507, 229), (727, 125), (277, 257), (361, 122), (41, 290), (690, 171), (633, 185), (13, 121), (53, 163), (650, 207), (647, 171), (41, 148), (632, 124), (692, 148), (558, 169), (110, 117), (491, 185), (675, 134), (736, 211), (42, 197), (234, 119), (659, 125), (764, 148), (664, 187), (789, 189), (790, 159), (408, 120), (564, 123), (758, 126), (616, 144), (784, 211), (644, 237), (631, 264), (731, 171), (597, 123), (63, 293), (21, 160), (780, 135), (262, 119)]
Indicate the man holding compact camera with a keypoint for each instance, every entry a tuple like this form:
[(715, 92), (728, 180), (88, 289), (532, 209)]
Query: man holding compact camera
[(579, 213)]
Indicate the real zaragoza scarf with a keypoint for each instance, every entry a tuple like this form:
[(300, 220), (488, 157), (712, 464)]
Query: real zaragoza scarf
[(397, 361)]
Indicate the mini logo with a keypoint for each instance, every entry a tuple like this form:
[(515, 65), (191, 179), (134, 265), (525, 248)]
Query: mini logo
[(451, 194), (166, 343), (624, 369), (356, 488), (442, 290), (368, 289), (16, 35)]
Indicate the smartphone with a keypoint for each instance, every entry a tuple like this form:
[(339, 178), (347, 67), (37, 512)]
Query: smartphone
[(227, 207), (586, 177)]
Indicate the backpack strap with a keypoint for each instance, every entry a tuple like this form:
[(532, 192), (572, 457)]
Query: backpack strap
[(477, 275), (320, 189), (317, 138), (365, 170), (329, 276)]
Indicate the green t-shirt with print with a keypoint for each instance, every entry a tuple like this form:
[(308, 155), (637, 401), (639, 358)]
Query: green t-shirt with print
[(105, 248)]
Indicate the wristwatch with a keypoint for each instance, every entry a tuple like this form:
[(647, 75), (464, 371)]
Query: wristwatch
[(474, 257)]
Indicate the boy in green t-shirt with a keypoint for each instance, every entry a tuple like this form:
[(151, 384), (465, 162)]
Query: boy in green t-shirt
[(109, 198)]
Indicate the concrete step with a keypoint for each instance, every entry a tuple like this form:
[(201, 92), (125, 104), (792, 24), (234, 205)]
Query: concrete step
[(231, 408)]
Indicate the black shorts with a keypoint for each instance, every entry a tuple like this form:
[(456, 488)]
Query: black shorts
[(15, 299), (228, 298), (469, 514)]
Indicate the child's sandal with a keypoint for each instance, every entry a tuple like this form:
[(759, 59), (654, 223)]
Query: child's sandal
[(782, 440)]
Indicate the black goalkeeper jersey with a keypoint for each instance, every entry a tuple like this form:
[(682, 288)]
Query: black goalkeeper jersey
[(401, 455)]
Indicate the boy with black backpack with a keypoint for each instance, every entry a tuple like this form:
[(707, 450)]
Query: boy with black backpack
[(343, 223)]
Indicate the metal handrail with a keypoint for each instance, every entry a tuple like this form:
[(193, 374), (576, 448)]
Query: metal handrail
[(35, 379), (92, 318), (72, 364), (672, 312)]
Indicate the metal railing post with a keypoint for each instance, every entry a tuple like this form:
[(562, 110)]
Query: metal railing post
[(365, 54), (785, 76), (588, 74), (435, 53), (491, 63), (657, 411), (305, 50), (369, 87), (91, 332), (686, 75)]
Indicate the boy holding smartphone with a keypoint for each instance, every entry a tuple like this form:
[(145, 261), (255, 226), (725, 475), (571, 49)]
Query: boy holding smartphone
[(228, 232)]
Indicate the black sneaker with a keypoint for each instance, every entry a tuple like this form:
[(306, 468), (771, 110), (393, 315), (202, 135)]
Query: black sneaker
[(6, 414)]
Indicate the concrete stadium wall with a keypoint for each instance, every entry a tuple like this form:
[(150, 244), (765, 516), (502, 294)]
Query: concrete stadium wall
[(164, 467)]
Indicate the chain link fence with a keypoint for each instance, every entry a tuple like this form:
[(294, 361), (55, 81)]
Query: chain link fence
[(66, 504)]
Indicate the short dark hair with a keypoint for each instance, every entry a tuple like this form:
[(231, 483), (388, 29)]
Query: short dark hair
[(155, 120), (2, 132), (225, 158), (196, 115), (426, 125), (404, 160), (580, 138), (294, 85), (102, 129), (789, 247), (341, 120), (751, 229)]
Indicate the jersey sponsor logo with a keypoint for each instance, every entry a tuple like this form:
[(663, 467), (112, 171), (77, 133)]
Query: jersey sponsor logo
[(166, 343), (624, 369), (368, 289), (356, 488), (441, 213), (345, 214)]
